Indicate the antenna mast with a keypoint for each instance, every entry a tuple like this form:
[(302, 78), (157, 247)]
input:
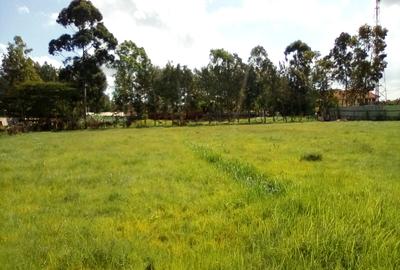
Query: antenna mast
[(378, 91), (377, 12)]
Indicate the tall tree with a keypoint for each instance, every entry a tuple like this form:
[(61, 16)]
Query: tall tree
[(187, 93), (16, 68), (342, 57), (369, 59), (379, 45), (204, 83), (322, 80), (300, 58), (169, 89), (228, 81), (91, 42), (263, 82), (154, 101), (359, 61), (16, 65), (133, 78), (47, 72)]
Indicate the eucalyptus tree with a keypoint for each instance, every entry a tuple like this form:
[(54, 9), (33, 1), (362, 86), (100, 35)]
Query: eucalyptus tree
[(263, 82), (369, 59), (359, 60), (204, 85), (322, 80), (189, 97), (175, 88), (133, 79), (300, 57), (379, 55), (91, 42), (227, 81), (342, 57), (154, 100), (169, 89)]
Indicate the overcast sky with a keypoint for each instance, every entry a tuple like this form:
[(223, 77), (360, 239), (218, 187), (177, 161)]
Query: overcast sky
[(184, 31)]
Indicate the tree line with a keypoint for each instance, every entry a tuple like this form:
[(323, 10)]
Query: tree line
[(227, 88)]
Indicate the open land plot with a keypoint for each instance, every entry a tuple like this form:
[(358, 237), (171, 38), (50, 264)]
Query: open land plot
[(304, 195)]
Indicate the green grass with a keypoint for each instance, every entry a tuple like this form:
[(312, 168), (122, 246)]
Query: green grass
[(223, 197)]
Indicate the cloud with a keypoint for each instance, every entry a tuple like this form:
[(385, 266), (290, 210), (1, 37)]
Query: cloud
[(141, 17), (149, 19), (51, 18), (110, 80), (42, 59), (391, 2), (23, 10), (3, 50)]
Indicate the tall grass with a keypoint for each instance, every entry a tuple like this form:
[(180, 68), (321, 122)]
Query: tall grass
[(244, 172), (146, 199)]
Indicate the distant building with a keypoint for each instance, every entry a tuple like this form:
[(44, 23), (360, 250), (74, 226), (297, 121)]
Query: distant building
[(346, 98), (3, 122), (119, 114)]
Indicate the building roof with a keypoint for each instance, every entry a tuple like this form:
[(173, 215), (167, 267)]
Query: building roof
[(339, 93)]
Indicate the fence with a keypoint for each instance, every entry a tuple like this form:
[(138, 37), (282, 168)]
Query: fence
[(368, 112)]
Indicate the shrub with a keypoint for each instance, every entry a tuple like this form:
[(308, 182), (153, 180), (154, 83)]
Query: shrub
[(311, 157)]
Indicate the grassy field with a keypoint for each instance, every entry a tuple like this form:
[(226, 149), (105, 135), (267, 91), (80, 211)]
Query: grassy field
[(284, 196)]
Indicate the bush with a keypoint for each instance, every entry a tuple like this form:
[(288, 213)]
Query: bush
[(311, 157)]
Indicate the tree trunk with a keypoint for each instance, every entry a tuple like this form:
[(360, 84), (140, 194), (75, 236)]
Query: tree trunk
[(264, 116)]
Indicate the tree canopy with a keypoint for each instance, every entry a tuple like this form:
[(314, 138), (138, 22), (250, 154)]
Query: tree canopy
[(227, 88), (92, 44)]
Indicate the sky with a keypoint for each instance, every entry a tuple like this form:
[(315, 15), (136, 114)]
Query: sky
[(184, 31)]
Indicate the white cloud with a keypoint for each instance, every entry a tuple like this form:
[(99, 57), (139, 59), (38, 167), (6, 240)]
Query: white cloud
[(52, 19), (110, 80), (3, 49), (390, 19), (184, 31), (391, 2), (23, 10), (42, 59)]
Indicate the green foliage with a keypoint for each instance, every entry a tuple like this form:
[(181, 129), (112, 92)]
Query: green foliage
[(95, 200), (369, 58), (92, 42), (262, 87), (16, 66), (41, 99), (47, 72), (300, 58), (90, 33), (227, 88), (359, 60), (322, 77), (342, 56), (133, 78), (226, 77)]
